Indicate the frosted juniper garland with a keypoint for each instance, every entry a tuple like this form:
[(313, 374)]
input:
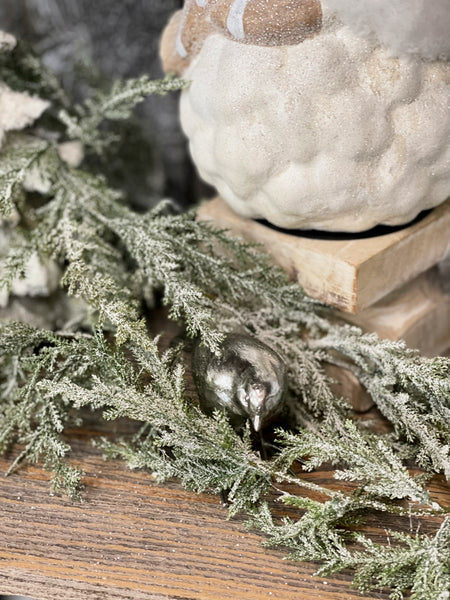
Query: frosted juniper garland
[(19, 110), (317, 114)]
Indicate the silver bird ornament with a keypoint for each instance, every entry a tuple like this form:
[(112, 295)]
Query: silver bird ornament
[(247, 381)]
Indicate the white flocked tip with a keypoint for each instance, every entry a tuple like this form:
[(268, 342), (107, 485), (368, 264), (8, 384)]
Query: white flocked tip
[(18, 110), (257, 423), (7, 41)]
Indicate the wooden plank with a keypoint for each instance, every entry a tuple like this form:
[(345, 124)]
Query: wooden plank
[(132, 539), (347, 385), (350, 274), (418, 313)]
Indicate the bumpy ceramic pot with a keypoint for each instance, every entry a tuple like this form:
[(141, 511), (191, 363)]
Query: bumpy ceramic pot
[(297, 118)]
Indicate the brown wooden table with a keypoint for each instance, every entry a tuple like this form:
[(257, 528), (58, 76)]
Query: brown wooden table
[(134, 539)]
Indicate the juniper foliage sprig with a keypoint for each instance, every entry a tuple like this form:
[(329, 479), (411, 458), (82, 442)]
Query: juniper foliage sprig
[(419, 563), (397, 379), (117, 104), (29, 417), (23, 71), (363, 458), (213, 283), (18, 161)]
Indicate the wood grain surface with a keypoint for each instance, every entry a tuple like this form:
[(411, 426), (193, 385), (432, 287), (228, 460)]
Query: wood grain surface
[(349, 272), (133, 539), (417, 313)]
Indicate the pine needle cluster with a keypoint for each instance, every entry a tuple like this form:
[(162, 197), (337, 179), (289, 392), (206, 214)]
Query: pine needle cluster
[(116, 260)]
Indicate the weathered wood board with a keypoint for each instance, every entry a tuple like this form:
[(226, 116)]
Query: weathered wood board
[(347, 274), (132, 539), (418, 313)]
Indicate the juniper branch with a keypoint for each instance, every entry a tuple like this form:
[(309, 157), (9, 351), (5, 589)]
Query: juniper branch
[(83, 123)]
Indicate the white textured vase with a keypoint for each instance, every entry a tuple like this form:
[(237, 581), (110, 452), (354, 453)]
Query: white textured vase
[(334, 133)]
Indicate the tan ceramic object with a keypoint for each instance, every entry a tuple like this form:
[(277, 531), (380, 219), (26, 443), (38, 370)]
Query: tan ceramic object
[(299, 119), (258, 22), (275, 23)]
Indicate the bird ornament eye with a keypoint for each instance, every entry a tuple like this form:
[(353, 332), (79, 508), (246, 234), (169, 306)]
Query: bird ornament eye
[(256, 22)]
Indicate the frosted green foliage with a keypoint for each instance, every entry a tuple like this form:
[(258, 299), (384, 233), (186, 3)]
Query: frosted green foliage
[(116, 105), (22, 70), (399, 381), (422, 560), (369, 460), (16, 161), (28, 416), (417, 563), (212, 283)]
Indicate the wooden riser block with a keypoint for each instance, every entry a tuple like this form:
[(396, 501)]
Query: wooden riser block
[(418, 313), (349, 275)]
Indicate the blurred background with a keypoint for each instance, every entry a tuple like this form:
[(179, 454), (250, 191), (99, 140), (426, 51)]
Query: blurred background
[(92, 43)]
